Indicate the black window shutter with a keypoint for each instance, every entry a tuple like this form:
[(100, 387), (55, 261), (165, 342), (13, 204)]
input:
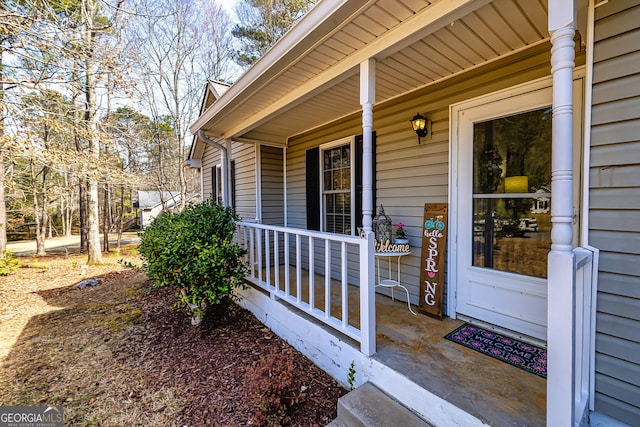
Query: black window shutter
[(359, 145), (313, 189), (214, 184), (232, 174)]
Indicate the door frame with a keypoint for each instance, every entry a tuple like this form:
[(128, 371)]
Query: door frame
[(454, 147)]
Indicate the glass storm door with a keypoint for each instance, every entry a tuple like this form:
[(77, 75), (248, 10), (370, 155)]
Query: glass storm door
[(504, 215)]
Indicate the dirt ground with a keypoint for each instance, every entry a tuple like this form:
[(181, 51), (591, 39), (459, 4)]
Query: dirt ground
[(116, 354)]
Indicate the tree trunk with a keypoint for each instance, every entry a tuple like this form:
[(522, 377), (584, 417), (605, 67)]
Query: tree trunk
[(120, 217), (106, 216), (66, 207), (82, 213), (93, 217), (3, 208), (40, 250), (82, 182), (63, 207), (69, 212), (45, 204), (181, 175), (178, 129), (91, 118)]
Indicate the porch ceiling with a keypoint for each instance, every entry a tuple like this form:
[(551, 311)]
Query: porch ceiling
[(415, 43)]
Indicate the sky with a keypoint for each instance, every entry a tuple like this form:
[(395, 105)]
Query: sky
[(229, 6)]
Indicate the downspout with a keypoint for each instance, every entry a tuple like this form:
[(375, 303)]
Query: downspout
[(227, 163), (223, 161), (586, 162)]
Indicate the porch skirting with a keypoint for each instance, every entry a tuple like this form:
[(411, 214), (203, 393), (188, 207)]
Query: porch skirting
[(334, 354)]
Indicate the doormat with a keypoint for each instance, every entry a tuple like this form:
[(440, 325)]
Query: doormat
[(517, 353)]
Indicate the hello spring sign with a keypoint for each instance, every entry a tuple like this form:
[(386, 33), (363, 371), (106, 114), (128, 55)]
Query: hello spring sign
[(434, 245)]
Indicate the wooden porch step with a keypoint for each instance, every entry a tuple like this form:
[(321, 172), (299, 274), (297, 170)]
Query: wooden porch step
[(368, 406)]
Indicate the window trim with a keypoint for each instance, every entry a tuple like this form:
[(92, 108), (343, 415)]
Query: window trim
[(352, 188)]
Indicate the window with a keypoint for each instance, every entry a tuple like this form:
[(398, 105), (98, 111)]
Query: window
[(334, 185), (216, 183), (336, 189), (511, 171), (217, 186)]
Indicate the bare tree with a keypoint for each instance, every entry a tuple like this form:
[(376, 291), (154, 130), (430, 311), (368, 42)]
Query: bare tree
[(8, 31), (90, 26), (67, 43), (72, 46), (45, 119), (179, 42), (217, 43), (3, 205)]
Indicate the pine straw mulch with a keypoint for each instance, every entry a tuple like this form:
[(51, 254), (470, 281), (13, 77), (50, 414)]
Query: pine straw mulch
[(116, 355)]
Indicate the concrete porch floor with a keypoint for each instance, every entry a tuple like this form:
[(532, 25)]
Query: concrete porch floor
[(414, 346), (493, 391)]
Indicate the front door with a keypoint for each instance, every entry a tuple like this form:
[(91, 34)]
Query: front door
[(503, 211)]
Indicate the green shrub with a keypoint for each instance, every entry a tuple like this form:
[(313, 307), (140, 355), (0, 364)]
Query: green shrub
[(193, 250), (8, 264)]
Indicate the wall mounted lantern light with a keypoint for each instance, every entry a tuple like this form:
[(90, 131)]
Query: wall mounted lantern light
[(420, 125)]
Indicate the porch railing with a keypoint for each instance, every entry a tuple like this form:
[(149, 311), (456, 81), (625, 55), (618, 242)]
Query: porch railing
[(312, 271), (585, 268)]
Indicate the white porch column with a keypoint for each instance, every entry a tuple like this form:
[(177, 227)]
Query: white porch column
[(367, 278), (561, 276), (367, 99)]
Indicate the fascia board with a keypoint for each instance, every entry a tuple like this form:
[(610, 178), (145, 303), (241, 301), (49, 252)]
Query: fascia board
[(192, 150), (322, 20)]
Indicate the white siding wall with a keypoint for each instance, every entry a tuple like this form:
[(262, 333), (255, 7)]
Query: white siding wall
[(410, 175), (244, 156), (272, 185), (245, 171), (614, 216), (210, 158)]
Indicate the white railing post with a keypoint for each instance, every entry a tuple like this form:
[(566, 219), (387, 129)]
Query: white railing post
[(252, 251), (344, 285), (585, 269), (267, 256), (298, 268), (259, 252), (367, 297), (327, 278), (276, 259), (312, 272), (287, 263)]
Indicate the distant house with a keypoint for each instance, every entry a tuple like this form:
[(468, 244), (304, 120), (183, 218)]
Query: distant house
[(153, 203), (542, 202), (545, 93)]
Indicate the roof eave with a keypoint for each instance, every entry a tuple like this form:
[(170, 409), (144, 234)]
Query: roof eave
[(303, 36)]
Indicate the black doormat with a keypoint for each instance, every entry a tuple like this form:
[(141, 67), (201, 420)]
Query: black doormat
[(517, 353)]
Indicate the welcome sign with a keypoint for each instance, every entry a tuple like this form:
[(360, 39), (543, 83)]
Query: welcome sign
[(434, 245)]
